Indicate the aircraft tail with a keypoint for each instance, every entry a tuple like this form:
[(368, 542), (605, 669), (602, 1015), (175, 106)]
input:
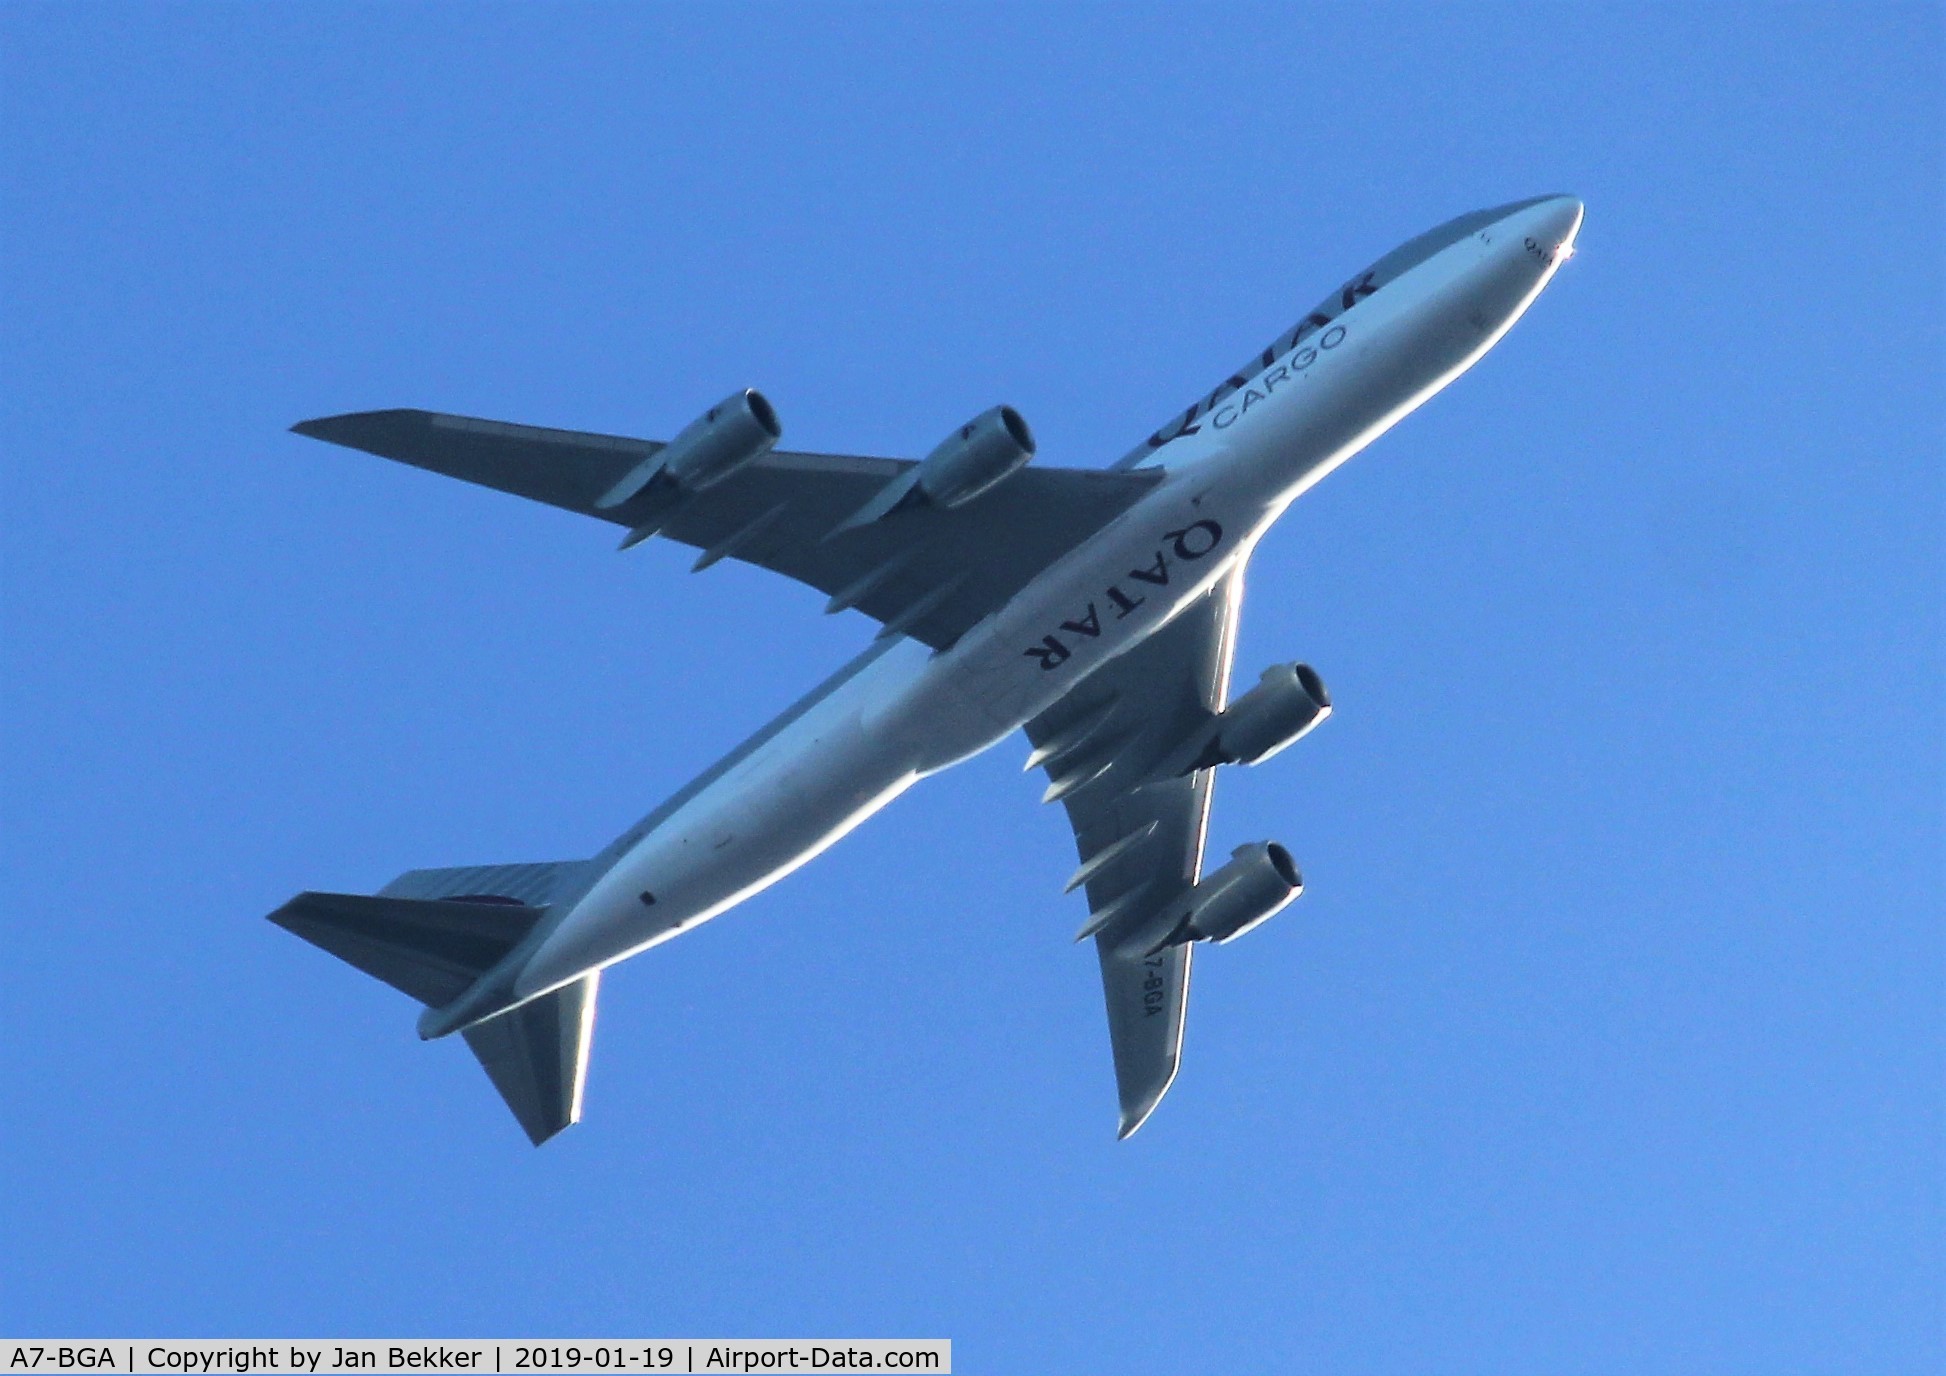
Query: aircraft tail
[(432, 934), (535, 885), (537, 1056), (431, 948)]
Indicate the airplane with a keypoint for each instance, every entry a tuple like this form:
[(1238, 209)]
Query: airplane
[(1094, 608)]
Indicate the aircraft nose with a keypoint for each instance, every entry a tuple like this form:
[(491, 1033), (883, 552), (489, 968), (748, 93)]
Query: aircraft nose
[(1552, 225)]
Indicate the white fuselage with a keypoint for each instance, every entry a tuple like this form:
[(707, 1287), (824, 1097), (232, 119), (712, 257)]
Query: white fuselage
[(903, 712)]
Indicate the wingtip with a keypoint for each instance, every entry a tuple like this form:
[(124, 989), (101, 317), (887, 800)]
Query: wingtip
[(333, 429), (353, 426), (1137, 1111), (1134, 1116)]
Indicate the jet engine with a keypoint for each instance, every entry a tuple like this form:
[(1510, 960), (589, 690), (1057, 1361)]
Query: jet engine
[(1287, 702), (1259, 881), (736, 431), (976, 457), (979, 455)]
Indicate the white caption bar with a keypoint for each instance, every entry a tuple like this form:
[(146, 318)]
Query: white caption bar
[(514, 1356)]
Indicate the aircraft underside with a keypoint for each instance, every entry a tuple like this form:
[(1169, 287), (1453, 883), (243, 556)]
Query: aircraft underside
[(1095, 609)]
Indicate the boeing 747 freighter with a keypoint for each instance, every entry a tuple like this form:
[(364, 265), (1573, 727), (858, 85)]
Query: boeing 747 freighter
[(1094, 609)]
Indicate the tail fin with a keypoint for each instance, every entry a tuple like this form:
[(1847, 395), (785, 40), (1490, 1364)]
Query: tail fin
[(432, 934), (537, 1056)]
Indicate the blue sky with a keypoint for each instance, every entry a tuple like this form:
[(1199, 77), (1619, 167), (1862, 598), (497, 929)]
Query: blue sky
[(1608, 1035)]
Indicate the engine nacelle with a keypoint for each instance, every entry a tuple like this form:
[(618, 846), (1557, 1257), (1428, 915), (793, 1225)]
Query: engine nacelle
[(1259, 881), (736, 431), (975, 458), (982, 453), (1287, 702)]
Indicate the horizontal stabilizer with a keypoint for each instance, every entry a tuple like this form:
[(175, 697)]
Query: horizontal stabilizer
[(432, 949), (534, 884), (537, 1056)]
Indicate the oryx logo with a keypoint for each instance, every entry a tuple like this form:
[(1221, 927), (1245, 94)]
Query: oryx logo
[(1186, 546)]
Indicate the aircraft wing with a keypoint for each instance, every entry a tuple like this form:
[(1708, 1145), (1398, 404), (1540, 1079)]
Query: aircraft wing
[(1140, 837), (927, 573)]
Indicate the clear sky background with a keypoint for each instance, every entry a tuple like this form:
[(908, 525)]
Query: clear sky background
[(1608, 1035)]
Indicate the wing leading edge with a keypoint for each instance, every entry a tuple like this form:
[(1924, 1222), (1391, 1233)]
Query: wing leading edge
[(928, 573), (1140, 837)]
